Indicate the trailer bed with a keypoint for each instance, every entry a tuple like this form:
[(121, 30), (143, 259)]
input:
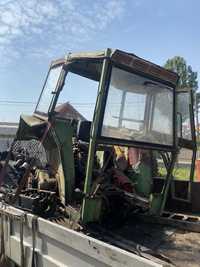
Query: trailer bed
[(136, 243), (56, 245)]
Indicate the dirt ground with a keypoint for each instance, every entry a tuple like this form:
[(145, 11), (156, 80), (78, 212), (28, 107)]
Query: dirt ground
[(182, 248)]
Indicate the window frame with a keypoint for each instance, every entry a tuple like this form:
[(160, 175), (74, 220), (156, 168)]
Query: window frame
[(183, 142), (123, 142), (55, 93)]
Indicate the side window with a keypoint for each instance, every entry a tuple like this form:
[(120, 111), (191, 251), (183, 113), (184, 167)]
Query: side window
[(183, 108), (47, 92), (183, 165), (163, 113)]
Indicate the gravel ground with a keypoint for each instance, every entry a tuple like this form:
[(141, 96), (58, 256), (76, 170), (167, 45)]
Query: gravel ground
[(180, 246)]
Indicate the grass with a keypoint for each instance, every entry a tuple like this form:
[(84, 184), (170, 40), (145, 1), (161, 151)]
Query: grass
[(179, 173)]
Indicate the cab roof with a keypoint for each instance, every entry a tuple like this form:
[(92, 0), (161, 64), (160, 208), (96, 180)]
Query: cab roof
[(91, 63)]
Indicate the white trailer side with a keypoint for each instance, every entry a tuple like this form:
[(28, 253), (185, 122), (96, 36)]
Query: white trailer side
[(56, 245)]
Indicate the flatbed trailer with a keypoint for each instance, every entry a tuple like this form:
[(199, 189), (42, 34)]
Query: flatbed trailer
[(51, 244), (56, 245)]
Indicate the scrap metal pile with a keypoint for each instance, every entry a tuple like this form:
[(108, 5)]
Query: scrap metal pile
[(30, 183)]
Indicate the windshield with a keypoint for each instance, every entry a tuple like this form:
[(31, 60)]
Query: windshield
[(49, 89), (78, 97), (138, 109)]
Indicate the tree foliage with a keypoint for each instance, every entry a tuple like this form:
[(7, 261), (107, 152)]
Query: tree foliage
[(188, 77)]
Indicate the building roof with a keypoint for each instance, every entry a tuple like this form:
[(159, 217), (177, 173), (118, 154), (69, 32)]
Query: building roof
[(67, 111), (8, 124), (8, 128)]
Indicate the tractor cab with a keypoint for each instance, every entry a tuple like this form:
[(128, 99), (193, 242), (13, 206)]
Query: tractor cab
[(105, 158)]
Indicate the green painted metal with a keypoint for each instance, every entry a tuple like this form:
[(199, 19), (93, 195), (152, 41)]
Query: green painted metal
[(168, 181), (158, 201), (193, 142), (58, 146), (93, 209), (86, 208), (64, 134), (28, 125), (144, 180), (155, 203)]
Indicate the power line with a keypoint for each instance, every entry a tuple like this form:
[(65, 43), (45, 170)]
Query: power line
[(16, 102), (34, 103), (73, 103)]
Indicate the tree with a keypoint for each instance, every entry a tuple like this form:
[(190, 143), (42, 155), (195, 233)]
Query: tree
[(188, 79)]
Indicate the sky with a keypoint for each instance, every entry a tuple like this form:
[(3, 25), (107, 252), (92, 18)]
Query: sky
[(34, 32)]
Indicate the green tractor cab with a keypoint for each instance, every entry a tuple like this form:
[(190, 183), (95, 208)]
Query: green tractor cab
[(107, 167)]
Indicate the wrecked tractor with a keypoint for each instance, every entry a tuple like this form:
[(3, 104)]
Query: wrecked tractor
[(113, 175)]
